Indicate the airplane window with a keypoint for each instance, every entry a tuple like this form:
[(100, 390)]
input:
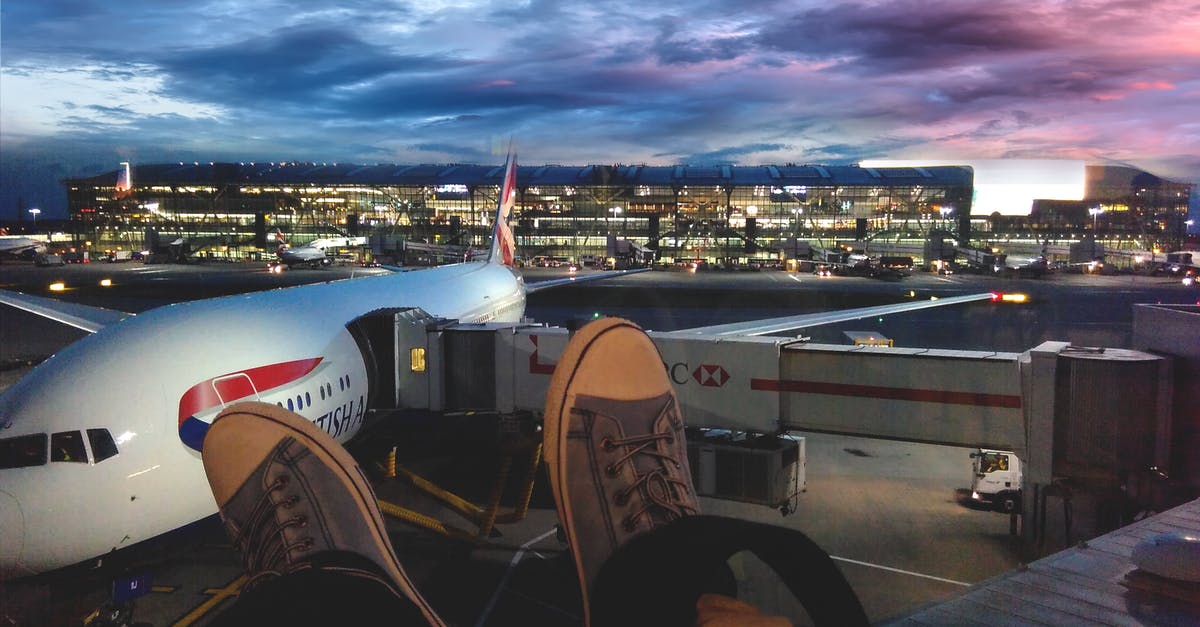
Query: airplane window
[(291, 407), (307, 399), (322, 390), (23, 451), (329, 389), (102, 443), (67, 446)]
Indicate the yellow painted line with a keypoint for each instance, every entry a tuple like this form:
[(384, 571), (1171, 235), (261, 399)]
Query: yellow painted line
[(218, 596)]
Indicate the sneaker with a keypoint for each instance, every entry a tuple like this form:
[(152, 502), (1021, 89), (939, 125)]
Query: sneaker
[(288, 492), (614, 444)]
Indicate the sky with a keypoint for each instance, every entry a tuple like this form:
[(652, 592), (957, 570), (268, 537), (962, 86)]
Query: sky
[(85, 85)]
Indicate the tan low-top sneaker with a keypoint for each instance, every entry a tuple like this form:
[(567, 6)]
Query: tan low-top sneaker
[(287, 491), (614, 444)]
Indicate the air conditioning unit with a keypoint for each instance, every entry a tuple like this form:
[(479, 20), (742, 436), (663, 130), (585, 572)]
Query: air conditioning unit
[(765, 469)]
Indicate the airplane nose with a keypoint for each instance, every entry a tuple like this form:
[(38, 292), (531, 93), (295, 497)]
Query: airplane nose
[(12, 537)]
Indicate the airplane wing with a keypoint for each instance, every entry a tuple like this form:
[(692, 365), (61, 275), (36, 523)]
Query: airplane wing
[(583, 278), (803, 321), (85, 317)]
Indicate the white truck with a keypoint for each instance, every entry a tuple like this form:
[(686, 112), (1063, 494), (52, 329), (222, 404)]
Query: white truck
[(997, 479)]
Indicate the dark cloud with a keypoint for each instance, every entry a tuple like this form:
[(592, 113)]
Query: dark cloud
[(300, 67), (907, 35)]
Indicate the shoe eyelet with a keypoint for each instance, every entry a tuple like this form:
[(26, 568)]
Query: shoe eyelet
[(611, 470), (622, 499), (607, 444), (627, 524)]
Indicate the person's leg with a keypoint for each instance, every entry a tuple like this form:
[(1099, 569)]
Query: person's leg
[(660, 577), (616, 456), (614, 444), (306, 522)]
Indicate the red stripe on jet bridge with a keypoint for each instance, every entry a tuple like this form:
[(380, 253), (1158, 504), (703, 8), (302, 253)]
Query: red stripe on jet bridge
[(535, 365), (204, 395), (976, 399)]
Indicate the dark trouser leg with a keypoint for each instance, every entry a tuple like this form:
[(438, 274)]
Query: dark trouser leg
[(655, 578), (332, 589)]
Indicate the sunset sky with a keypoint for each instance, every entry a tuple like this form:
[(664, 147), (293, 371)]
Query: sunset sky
[(85, 85)]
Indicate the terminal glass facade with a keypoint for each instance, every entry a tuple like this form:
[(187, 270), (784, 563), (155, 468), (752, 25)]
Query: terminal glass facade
[(724, 214)]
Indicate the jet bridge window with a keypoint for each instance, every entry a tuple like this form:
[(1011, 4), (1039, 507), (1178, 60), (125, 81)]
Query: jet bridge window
[(23, 451), (67, 446), (102, 443)]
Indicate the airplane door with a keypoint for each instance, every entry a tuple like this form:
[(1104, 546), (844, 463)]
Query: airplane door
[(234, 387)]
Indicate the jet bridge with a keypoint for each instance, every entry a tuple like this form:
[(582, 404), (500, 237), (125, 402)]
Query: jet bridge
[(1068, 412)]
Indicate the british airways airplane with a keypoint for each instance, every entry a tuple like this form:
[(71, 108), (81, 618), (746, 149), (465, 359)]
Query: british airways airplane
[(100, 444)]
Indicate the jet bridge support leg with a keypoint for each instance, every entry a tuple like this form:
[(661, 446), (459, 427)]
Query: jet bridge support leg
[(484, 518)]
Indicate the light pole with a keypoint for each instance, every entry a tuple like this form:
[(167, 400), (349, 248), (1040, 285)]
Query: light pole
[(34, 212), (1095, 211)]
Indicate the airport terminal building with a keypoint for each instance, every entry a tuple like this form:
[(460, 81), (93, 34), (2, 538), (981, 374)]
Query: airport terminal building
[(722, 214)]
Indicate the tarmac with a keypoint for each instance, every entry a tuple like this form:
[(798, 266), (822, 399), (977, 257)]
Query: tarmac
[(890, 513)]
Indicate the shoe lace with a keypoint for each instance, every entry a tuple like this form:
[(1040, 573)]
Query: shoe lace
[(261, 540), (660, 491)]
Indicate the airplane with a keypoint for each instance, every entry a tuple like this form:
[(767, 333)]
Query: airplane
[(19, 245), (313, 253), (858, 264), (100, 444), (1035, 266)]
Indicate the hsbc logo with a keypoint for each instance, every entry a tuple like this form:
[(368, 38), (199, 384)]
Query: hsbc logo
[(707, 375)]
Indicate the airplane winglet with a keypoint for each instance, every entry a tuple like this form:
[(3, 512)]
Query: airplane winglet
[(503, 245), (85, 317)]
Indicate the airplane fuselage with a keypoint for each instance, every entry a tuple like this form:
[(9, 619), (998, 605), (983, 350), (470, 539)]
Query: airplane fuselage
[(114, 422)]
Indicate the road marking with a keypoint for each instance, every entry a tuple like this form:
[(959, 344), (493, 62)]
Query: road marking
[(794, 278), (215, 598), (512, 565), (903, 572)]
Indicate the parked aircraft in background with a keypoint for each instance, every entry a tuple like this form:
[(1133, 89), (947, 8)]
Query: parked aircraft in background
[(19, 245), (314, 254), (85, 433)]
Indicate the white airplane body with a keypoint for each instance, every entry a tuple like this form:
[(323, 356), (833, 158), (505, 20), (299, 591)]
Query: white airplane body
[(287, 346), (313, 253), (100, 444), (13, 245)]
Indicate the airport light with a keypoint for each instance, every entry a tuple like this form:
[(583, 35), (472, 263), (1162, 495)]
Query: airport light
[(1095, 211), (34, 212)]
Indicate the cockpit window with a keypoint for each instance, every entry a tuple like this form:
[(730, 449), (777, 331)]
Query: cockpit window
[(102, 443), (67, 446), (23, 451)]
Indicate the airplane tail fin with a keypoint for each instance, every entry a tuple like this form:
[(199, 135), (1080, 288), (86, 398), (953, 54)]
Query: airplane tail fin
[(503, 245)]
